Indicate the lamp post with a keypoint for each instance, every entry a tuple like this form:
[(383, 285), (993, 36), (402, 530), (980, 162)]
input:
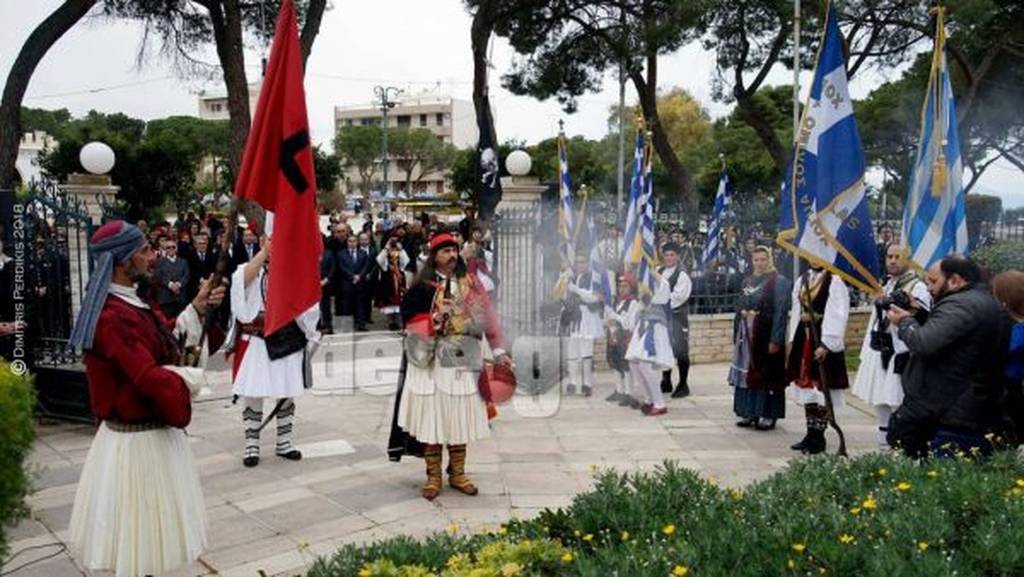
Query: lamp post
[(384, 94)]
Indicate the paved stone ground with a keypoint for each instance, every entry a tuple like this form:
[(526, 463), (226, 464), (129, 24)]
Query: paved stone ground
[(279, 516)]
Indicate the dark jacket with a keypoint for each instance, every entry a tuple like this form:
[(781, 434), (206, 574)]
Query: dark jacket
[(953, 379)]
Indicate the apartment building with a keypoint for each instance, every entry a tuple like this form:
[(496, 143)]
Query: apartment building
[(452, 120)]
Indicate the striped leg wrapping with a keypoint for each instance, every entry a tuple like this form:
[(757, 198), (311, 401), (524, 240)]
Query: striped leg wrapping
[(285, 417), (251, 418)]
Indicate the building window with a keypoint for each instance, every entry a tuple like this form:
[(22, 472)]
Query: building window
[(404, 121), (440, 118), (348, 122), (423, 120)]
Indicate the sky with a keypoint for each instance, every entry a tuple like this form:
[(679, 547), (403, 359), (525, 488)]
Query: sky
[(415, 45)]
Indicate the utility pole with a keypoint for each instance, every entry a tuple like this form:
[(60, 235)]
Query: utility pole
[(384, 94)]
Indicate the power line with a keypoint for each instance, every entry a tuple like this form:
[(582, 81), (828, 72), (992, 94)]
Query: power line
[(100, 89)]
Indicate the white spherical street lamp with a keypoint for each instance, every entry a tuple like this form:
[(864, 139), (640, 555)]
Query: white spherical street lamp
[(518, 163), (97, 157)]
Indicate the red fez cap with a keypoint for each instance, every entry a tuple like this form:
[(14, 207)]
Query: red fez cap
[(439, 241)]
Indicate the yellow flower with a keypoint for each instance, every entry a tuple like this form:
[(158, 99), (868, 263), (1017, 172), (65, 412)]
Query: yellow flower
[(903, 486), (933, 474), (870, 503), (577, 533), (588, 537), (625, 536), (510, 570), (567, 557), (668, 529), (883, 472), (799, 547), (846, 539), (922, 545), (365, 572), (680, 570), (1020, 483), (790, 563), (503, 530), (453, 528), (737, 494), (855, 511)]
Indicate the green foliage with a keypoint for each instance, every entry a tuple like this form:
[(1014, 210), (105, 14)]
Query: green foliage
[(1001, 256), (359, 147), (591, 162), (418, 152), (50, 121), (327, 168), (983, 207), (873, 515), (156, 162), (17, 398)]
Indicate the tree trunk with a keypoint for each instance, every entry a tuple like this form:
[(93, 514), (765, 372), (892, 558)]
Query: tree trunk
[(311, 27), (757, 119), (648, 95), (480, 34), (32, 52), (227, 32)]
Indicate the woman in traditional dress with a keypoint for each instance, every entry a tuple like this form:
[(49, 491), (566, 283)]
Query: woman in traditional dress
[(758, 371), (392, 261)]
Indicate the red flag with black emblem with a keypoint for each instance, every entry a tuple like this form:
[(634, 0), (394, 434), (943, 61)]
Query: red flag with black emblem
[(277, 173)]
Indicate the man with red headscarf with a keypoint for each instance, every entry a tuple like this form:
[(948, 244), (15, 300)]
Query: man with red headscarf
[(446, 313)]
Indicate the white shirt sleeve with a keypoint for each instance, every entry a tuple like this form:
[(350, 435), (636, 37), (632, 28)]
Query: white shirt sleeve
[(586, 294), (837, 312), (681, 293), (382, 259), (245, 301), (630, 316)]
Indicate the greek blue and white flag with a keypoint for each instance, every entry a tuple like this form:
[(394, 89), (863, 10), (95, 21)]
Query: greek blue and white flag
[(631, 246), (648, 261), (824, 217), (566, 230), (600, 281), (934, 217), (713, 244)]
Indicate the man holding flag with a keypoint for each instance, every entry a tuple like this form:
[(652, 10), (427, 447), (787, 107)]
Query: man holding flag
[(277, 308), (825, 220)]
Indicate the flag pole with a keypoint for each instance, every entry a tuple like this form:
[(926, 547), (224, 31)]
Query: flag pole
[(796, 107)]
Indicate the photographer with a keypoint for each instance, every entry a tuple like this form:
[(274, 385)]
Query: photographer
[(883, 357), (953, 380)]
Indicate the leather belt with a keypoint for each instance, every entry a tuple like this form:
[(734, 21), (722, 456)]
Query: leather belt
[(119, 427)]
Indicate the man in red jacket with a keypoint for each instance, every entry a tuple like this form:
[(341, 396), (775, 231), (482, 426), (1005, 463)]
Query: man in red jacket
[(138, 508)]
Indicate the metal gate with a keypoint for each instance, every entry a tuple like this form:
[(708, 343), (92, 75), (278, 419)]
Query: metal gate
[(521, 259)]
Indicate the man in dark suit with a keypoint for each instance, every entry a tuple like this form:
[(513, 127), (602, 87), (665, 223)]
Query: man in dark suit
[(202, 263), (171, 279), (353, 268), (243, 251)]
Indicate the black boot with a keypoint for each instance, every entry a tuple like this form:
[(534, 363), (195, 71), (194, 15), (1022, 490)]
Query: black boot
[(666, 381), (682, 391), (803, 442), (815, 442)]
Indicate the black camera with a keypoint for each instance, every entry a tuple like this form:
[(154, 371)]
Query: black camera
[(898, 298)]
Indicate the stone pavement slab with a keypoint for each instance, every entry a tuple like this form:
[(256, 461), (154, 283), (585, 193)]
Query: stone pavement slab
[(277, 517)]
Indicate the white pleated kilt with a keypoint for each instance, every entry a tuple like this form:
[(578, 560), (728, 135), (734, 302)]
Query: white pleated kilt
[(139, 507), (662, 358), (258, 376), (442, 405), (876, 385)]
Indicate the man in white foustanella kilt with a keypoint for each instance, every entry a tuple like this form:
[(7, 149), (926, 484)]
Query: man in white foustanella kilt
[(582, 320), (138, 507), (650, 349), (883, 355), (258, 376), (447, 315)]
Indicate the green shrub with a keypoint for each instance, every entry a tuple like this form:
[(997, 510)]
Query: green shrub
[(874, 515), (1001, 256), (16, 433)]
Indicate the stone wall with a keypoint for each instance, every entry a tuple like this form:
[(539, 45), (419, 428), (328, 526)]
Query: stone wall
[(711, 337)]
